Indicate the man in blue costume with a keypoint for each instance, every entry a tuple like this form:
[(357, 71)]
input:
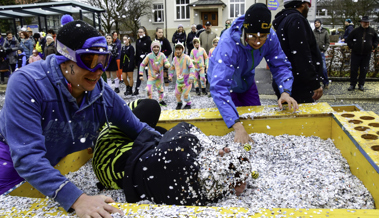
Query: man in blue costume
[(232, 67)]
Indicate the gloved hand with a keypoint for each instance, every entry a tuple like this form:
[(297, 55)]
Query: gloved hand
[(9, 50)]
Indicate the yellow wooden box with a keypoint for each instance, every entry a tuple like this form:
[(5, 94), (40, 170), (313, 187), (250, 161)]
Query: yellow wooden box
[(354, 132)]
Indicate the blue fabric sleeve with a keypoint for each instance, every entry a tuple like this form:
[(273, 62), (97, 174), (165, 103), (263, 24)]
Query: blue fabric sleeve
[(26, 141), (23, 61), (220, 74), (279, 64)]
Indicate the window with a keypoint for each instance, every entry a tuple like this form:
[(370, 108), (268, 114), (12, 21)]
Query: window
[(182, 9), (158, 13), (237, 8)]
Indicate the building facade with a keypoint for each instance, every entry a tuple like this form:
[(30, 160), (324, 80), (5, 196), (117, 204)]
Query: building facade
[(168, 14)]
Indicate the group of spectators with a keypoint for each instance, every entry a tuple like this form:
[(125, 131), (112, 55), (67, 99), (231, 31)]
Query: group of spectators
[(126, 57), (26, 47), (361, 40)]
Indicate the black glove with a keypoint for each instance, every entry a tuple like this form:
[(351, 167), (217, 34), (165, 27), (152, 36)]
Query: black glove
[(9, 50)]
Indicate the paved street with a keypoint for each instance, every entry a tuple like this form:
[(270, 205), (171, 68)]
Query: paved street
[(337, 94)]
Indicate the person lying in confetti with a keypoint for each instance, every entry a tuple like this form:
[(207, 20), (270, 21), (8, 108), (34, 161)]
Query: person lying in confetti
[(171, 169)]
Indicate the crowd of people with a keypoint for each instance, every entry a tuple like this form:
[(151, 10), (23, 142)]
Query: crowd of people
[(26, 47), (61, 105)]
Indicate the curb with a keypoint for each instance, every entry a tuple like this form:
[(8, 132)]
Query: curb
[(347, 79), (328, 97)]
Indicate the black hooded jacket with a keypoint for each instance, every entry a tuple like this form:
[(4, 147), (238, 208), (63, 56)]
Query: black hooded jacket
[(299, 44), (165, 46), (142, 49), (362, 41), (179, 37), (348, 30), (127, 58), (190, 37)]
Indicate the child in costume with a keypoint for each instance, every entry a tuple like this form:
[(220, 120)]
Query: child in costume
[(35, 57), (156, 60), (185, 74), (214, 43), (200, 59)]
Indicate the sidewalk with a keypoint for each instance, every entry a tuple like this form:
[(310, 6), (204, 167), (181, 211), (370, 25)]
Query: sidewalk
[(337, 90)]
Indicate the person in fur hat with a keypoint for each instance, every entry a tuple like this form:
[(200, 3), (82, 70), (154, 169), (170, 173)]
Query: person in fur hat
[(156, 60), (185, 74), (199, 58)]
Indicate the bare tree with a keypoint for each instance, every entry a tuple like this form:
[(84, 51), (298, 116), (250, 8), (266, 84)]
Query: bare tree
[(111, 17), (132, 13), (340, 10)]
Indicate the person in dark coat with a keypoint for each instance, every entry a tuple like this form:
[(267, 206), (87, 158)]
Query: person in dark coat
[(299, 44), (190, 37), (118, 44), (4, 66), (349, 26), (142, 49), (323, 42), (49, 47), (127, 65), (179, 36), (1, 40), (228, 23), (199, 29), (165, 48), (43, 40), (362, 41), (11, 45)]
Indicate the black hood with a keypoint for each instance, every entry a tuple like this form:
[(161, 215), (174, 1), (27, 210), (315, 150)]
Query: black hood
[(283, 14)]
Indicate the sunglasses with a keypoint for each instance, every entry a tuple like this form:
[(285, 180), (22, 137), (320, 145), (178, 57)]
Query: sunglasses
[(89, 59)]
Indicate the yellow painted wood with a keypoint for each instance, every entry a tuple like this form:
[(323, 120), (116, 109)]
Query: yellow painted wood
[(314, 119), (345, 108), (138, 210), (70, 163), (359, 165), (266, 111), (305, 126)]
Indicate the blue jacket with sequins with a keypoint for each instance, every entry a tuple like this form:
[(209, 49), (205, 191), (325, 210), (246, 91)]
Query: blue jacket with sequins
[(232, 68), (42, 123)]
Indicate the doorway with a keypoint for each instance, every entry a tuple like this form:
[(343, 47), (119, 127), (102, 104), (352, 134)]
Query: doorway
[(210, 16)]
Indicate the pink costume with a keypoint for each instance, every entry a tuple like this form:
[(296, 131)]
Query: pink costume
[(156, 64), (200, 59), (184, 70), (34, 58)]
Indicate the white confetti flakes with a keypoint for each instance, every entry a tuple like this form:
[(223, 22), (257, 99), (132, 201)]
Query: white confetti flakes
[(32, 100), (268, 127), (220, 61), (144, 169), (294, 172), (83, 140), (78, 25)]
